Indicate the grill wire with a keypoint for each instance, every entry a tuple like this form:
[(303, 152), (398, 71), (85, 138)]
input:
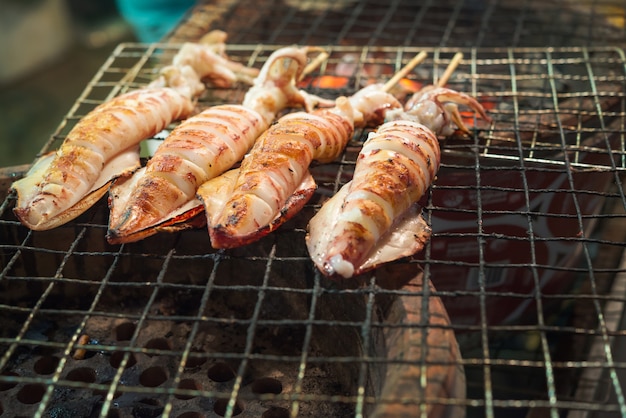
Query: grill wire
[(525, 257), (442, 23)]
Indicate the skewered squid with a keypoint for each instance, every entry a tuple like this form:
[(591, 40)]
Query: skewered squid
[(161, 196), (273, 182), (375, 218), (103, 145)]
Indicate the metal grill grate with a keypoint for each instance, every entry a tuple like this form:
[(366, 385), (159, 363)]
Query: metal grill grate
[(518, 312), (469, 23), (525, 260)]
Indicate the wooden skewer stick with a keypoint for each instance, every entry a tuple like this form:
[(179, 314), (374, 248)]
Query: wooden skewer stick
[(404, 70), (316, 62), (450, 69)]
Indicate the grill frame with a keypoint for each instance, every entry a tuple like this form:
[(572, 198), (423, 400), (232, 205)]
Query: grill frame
[(61, 257)]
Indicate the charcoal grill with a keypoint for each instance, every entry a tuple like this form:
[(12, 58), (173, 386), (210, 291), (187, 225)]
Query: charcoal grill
[(515, 308)]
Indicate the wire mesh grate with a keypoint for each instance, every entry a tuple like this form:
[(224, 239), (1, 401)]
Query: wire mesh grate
[(445, 23), (513, 309)]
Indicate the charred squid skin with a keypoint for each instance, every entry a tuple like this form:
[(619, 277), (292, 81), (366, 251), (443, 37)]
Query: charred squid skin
[(74, 180), (141, 209)]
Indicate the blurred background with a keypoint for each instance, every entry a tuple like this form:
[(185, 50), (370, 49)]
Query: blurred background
[(50, 50)]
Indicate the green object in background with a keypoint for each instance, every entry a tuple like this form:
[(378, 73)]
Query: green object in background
[(153, 19)]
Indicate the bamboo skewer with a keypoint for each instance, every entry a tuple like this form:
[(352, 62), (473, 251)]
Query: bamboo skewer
[(450, 69), (316, 62), (404, 70)]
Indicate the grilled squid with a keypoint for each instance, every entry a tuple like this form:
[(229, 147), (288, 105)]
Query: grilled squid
[(375, 218), (273, 181), (202, 147), (101, 146), (104, 143)]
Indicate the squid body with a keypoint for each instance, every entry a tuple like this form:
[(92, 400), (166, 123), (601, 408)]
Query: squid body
[(375, 218)]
